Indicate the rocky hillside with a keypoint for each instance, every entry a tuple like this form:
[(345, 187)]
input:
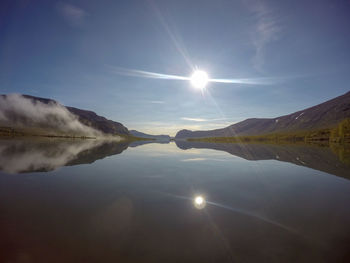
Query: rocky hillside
[(324, 115), (100, 123)]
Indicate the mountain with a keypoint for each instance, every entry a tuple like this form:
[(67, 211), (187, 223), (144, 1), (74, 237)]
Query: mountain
[(100, 123), (324, 115), (36, 114), (149, 136)]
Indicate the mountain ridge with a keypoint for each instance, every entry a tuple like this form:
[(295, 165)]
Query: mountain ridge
[(323, 115)]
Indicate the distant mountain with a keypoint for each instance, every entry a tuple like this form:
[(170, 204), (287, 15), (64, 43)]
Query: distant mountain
[(41, 114), (149, 136), (324, 115)]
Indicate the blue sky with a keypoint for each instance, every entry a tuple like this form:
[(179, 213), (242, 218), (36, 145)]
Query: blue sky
[(70, 50)]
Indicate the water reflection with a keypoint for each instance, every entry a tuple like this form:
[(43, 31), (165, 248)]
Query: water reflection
[(141, 205), (200, 202), (43, 155), (319, 158)]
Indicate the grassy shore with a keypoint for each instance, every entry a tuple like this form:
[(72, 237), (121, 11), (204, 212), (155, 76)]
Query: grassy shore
[(21, 132), (9, 132)]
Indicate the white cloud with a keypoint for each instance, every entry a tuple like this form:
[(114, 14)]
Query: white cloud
[(201, 119), (156, 102), (193, 119), (74, 15), (193, 160), (266, 31)]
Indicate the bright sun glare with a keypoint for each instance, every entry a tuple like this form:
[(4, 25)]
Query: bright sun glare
[(199, 202), (199, 79)]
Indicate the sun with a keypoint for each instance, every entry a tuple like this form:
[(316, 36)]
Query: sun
[(199, 79), (199, 202)]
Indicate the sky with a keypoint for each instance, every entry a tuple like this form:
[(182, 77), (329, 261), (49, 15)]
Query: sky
[(82, 54)]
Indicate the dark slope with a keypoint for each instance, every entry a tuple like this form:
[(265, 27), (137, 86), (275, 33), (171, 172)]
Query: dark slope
[(91, 119), (324, 115)]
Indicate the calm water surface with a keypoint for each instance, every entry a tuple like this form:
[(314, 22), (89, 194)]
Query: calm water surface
[(93, 201)]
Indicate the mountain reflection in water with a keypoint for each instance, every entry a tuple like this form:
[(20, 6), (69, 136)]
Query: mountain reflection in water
[(43, 155), (311, 156)]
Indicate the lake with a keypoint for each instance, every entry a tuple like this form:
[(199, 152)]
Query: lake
[(102, 201)]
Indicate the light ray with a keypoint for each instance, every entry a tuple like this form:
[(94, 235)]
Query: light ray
[(155, 75), (175, 39), (251, 81), (147, 74)]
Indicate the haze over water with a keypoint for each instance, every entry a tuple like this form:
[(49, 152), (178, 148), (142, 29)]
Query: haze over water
[(91, 201)]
